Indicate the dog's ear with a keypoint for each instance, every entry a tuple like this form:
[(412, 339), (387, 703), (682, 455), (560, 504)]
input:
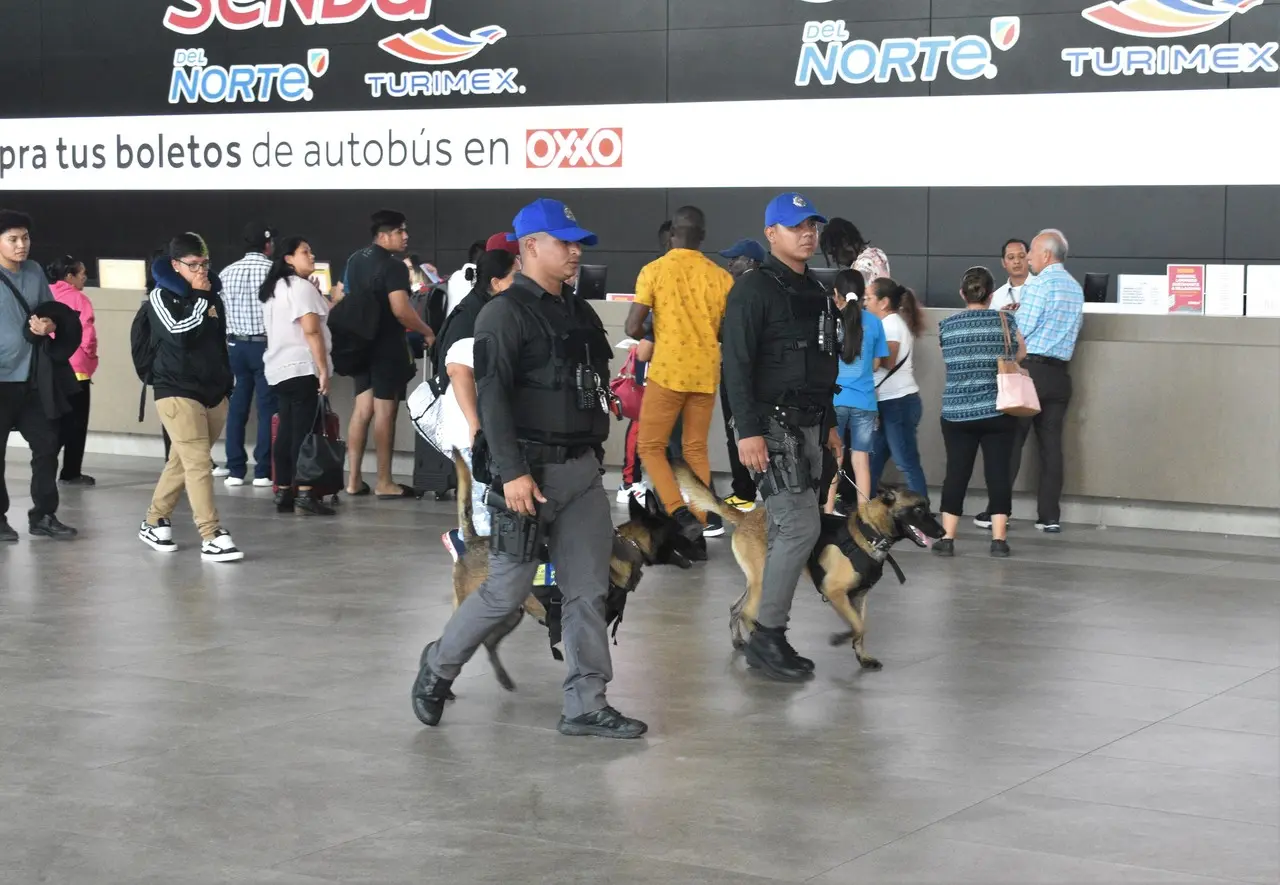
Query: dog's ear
[(889, 495), (635, 508)]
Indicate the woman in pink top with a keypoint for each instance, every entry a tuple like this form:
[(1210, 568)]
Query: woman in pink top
[(67, 278)]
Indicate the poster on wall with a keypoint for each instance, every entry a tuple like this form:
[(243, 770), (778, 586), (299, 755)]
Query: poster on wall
[(1186, 288)]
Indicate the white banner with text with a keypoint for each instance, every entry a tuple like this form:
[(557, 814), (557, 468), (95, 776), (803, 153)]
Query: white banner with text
[(1060, 140)]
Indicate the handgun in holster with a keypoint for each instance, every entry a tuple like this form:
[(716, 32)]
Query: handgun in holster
[(788, 468), (514, 533)]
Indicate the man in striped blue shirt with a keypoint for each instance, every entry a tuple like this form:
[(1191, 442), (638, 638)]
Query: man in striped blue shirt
[(1050, 316)]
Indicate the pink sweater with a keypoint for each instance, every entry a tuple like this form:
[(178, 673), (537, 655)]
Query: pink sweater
[(85, 360)]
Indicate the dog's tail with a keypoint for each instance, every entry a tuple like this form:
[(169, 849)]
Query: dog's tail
[(465, 526), (701, 496)]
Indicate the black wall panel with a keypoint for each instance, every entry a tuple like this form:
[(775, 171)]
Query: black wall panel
[(114, 57)]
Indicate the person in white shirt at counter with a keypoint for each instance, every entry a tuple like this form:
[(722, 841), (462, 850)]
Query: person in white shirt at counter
[(1014, 259)]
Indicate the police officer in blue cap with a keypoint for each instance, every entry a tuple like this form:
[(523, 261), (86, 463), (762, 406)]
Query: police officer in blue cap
[(542, 369), (780, 367)]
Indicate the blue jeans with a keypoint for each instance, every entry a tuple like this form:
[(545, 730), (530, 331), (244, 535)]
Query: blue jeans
[(857, 426), (896, 437), (251, 380)]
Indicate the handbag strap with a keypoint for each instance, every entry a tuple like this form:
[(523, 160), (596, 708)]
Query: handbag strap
[(1008, 338), (902, 362), (16, 294)]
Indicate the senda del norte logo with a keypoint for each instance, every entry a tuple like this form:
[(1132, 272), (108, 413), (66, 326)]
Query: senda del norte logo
[(195, 80), (830, 53), (573, 148), (436, 46), (1165, 19)]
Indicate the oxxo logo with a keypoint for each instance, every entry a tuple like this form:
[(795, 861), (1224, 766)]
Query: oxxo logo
[(195, 80), (829, 53), (573, 148)]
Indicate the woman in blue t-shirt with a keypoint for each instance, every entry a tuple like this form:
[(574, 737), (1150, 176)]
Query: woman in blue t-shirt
[(973, 342), (864, 349)]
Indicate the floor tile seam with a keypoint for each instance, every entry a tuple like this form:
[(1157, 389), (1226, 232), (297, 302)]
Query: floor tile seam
[(607, 852), (1003, 792), (370, 835), (1257, 675), (1042, 645), (1131, 807), (1032, 851), (1226, 691), (1082, 681)]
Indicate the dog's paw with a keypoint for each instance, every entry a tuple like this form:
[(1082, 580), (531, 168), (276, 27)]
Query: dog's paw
[(504, 679), (870, 664), (739, 644), (839, 639)]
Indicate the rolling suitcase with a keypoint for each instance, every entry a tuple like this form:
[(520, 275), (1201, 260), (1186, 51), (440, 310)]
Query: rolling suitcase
[(332, 430), (432, 471)]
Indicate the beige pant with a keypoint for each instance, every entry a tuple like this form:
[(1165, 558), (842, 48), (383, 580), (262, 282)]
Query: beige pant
[(192, 429)]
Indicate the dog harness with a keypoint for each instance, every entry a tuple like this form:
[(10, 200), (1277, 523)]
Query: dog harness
[(835, 531)]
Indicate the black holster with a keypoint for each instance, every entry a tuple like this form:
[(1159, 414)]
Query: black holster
[(514, 533), (788, 465)]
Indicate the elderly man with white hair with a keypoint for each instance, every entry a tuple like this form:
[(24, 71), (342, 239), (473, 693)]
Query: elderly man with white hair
[(1050, 317)]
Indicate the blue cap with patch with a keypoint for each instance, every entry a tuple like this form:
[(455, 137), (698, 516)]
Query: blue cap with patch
[(789, 210), (744, 249), (553, 218)]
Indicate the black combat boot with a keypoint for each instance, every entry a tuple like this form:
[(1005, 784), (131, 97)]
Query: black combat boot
[(768, 650), (430, 693), (688, 524), (284, 500)]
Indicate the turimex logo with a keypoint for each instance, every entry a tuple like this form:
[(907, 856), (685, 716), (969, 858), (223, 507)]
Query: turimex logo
[(441, 45), (1165, 18), (573, 148)]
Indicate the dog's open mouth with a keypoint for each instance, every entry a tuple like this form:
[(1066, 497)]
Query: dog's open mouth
[(919, 537)]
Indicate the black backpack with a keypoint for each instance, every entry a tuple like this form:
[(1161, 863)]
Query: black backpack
[(144, 351)]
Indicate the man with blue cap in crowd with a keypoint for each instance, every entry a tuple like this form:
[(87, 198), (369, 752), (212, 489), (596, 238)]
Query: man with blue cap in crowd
[(780, 367), (743, 256), (541, 369)]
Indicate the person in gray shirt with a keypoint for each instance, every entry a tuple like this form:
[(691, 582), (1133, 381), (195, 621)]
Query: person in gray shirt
[(23, 287)]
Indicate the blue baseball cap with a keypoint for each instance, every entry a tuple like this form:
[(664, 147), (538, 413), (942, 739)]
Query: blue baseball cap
[(790, 210), (744, 249), (550, 217)]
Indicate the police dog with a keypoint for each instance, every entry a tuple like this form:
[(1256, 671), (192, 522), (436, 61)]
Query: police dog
[(648, 538), (892, 515)]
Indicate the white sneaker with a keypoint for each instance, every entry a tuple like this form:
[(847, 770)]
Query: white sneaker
[(158, 537), (626, 493), (221, 471), (262, 482), (232, 481), (220, 548)]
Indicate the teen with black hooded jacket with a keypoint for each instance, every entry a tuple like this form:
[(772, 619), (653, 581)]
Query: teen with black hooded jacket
[(191, 377)]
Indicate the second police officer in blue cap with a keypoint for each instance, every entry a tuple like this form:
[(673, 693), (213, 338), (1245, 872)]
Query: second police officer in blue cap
[(541, 367), (780, 367)]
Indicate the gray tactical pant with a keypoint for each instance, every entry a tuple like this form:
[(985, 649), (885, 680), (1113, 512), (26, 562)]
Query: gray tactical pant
[(795, 521), (580, 537)]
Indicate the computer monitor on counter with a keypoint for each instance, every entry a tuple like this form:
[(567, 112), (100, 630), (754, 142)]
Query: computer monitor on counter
[(592, 280)]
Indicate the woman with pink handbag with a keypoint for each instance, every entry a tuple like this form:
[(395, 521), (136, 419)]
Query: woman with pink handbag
[(979, 346)]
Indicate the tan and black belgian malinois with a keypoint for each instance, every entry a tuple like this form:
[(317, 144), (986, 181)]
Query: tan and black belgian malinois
[(645, 539), (892, 515)]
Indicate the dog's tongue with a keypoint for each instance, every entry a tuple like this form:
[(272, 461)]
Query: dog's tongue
[(921, 536)]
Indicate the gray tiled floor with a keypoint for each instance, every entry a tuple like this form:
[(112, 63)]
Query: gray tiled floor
[(1104, 707)]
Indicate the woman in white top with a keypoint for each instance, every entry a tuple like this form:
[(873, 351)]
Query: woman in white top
[(297, 363), (897, 393), (495, 272)]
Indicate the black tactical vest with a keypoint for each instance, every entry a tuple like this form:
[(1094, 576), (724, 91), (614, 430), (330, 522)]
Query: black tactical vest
[(546, 399), (799, 360)]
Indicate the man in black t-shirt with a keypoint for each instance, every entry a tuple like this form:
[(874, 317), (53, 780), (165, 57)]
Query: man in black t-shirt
[(378, 272)]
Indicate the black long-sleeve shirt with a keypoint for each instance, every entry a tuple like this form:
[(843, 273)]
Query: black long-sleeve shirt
[(510, 344), (758, 312)]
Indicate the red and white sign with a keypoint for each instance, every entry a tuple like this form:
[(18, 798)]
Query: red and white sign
[(1186, 288), (573, 148)]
